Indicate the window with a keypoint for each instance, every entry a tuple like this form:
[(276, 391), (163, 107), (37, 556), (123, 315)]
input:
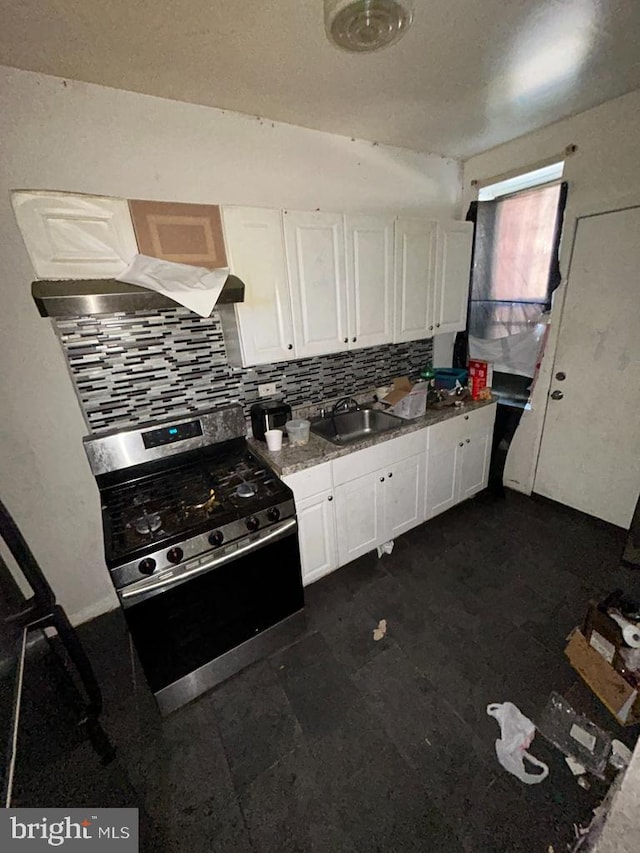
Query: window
[(515, 267)]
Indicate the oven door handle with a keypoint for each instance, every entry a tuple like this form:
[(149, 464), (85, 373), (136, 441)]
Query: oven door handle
[(136, 592)]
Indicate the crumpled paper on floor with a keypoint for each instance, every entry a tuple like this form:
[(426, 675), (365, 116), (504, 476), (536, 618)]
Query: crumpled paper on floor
[(385, 548)]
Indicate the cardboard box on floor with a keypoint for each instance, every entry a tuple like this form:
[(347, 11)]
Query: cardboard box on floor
[(405, 399), (604, 635), (609, 686)]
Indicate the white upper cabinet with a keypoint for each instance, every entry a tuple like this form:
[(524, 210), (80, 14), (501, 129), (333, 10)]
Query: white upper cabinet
[(415, 264), (317, 277), (255, 253), (451, 280), (75, 236), (369, 252)]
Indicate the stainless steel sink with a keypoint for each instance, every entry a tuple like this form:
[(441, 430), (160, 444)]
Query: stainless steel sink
[(345, 427)]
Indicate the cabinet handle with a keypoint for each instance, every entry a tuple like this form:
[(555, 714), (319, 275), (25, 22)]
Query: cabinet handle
[(430, 328), (330, 498), (390, 474), (461, 444), (382, 479), (467, 440), (346, 340), (289, 346), (466, 417), (353, 340), (437, 325)]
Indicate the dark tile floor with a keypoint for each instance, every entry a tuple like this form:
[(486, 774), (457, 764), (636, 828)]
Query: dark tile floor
[(339, 743)]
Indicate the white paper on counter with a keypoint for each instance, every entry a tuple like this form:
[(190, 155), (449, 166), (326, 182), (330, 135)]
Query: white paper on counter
[(196, 288)]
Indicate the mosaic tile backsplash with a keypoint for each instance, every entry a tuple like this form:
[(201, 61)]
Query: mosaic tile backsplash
[(130, 369)]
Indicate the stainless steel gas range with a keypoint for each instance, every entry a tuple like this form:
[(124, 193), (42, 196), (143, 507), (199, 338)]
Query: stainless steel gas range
[(201, 543)]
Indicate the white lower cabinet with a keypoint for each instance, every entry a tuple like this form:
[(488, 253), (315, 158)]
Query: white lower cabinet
[(348, 507), (474, 464), (442, 465), (404, 495), (382, 503), (315, 508), (360, 517), (458, 459)]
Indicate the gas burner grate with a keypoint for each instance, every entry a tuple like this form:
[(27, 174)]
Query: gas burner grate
[(186, 500)]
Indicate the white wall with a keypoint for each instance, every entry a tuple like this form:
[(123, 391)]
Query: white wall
[(602, 174), (63, 135)]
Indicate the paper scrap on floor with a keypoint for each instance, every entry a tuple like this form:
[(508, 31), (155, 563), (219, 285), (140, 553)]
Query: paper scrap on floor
[(385, 548), (196, 288), (380, 631)]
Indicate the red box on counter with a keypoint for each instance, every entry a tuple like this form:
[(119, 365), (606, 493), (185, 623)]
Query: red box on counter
[(479, 376)]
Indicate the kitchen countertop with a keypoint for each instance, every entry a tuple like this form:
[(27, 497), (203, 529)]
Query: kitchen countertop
[(289, 460)]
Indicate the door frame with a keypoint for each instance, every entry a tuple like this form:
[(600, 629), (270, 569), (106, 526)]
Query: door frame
[(588, 212)]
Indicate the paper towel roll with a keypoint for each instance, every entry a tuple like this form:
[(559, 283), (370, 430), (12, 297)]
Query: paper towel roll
[(630, 632)]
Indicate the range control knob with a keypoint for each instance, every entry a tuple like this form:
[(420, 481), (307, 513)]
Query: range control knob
[(252, 523), (147, 566), (174, 555), (216, 538), (273, 514)]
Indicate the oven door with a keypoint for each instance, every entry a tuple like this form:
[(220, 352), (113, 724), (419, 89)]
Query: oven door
[(189, 622)]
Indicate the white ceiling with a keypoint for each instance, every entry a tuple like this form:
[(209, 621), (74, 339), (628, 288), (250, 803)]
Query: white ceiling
[(469, 74)]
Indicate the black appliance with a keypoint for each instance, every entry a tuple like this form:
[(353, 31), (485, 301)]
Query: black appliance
[(201, 542), (268, 414)]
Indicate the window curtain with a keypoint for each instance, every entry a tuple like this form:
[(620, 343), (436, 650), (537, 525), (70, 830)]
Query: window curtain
[(515, 265)]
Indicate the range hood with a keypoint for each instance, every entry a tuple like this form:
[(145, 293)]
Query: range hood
[(78, 297)]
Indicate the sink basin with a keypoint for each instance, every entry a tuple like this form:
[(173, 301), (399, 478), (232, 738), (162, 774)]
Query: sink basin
[(351, 426)]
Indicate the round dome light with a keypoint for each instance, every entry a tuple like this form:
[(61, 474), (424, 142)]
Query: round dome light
[(366, 25)]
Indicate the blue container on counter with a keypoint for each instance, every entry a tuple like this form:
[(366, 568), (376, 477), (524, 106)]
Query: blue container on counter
[(446, 377)]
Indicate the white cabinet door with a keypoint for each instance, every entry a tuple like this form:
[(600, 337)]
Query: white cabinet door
[(359, 517), (451, 281), (442, 478), (369, 253), (255, 250), (458, 459), (317, 536), (415, 258), (316, 263), (75, 236), (404, 495), (474, 464)]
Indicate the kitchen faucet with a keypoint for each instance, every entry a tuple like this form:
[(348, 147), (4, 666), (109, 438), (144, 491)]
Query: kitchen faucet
[(350, 405), (347, 404)]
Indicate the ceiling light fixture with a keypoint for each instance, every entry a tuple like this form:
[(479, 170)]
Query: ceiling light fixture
[(363, 26)]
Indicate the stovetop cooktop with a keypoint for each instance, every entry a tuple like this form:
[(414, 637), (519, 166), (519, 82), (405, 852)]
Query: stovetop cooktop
[(185, 500)]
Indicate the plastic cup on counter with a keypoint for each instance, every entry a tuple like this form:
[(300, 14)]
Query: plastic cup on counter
[(298, 432), (274, 439)]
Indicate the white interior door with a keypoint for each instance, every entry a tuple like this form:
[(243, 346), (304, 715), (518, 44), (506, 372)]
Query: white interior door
[(590, 451)]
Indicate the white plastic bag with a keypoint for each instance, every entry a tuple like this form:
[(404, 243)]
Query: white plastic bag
[(517, 733)]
